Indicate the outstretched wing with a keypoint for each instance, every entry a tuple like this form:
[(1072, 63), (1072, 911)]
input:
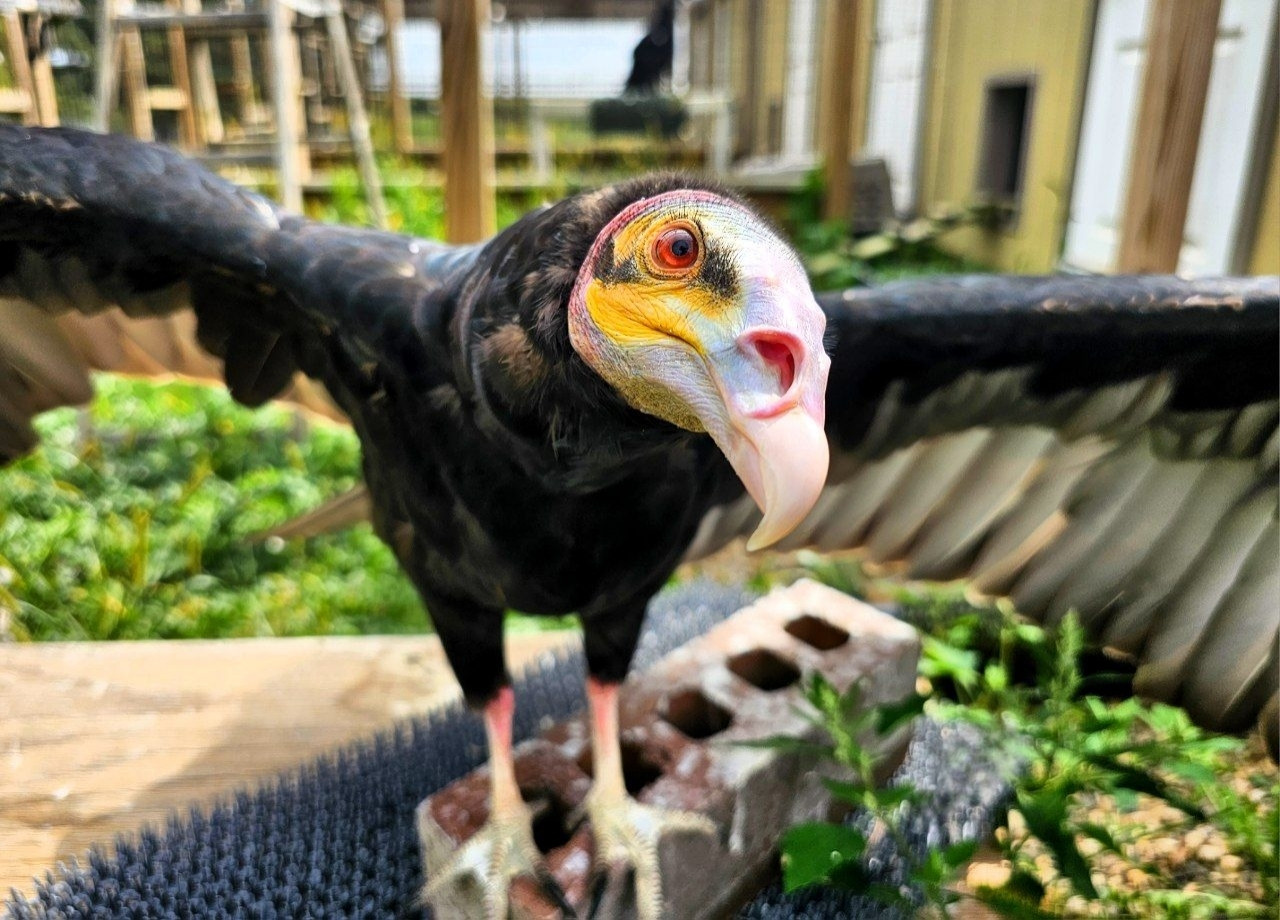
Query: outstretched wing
[(1104, 445), (105, 242)]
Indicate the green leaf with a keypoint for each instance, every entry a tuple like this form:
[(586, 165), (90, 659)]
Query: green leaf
[(891, 715), (1138, 780), (1100, 834), (854, 793), (812, 851), (1045, 812), (959, 853), (1013, 905), (788, 745), (1025, 885)]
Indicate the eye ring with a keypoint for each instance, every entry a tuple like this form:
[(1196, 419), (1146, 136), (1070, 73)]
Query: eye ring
[(676, 249)]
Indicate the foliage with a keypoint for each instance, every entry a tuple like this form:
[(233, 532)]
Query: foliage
[(1095, 782), (832, 854), (133, 522)]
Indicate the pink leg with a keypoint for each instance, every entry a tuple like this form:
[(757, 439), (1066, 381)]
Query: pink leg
[(606, 753), (504, 799)]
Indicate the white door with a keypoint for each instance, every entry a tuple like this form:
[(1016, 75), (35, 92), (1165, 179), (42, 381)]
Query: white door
[(897, 93), (1111, 107)]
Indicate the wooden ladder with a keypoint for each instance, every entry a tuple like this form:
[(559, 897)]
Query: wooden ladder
[(32, 97)]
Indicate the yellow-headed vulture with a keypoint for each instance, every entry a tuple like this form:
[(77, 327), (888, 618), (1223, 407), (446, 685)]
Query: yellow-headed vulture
[(553, 419)]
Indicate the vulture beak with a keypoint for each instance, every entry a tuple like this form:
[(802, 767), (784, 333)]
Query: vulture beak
[(772, 383)]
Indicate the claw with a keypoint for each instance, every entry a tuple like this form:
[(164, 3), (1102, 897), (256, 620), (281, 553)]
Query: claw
[(499, 852), (627, 834)]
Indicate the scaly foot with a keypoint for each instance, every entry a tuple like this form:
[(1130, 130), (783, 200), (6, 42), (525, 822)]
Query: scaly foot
[(500, 851), (627, 834)]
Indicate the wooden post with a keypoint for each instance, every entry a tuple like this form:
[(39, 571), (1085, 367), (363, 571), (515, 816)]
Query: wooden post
[(286, 88), (180, 69), (42, 77), (204, 89), (401, 119), (16, 46), (357, 119), (137, 102), (1180, 40), (467, 117), (108, 55), (837, 135)]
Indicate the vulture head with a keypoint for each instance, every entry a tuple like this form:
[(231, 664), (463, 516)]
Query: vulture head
[(697, 313)]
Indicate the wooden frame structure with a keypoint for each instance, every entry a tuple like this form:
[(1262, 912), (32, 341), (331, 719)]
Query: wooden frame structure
[(33, 98), (122, 72)]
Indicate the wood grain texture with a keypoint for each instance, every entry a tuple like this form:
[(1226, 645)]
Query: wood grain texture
[(98, 739), (467, 120), (1180, 41)]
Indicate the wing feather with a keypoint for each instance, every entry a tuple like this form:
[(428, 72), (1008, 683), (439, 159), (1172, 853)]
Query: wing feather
[(1104, 445), (115, 255)]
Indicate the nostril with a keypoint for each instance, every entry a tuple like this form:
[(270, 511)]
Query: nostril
[(781, 357)]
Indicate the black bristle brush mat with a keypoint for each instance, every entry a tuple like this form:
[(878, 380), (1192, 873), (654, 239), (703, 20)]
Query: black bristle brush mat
[(336, 839)]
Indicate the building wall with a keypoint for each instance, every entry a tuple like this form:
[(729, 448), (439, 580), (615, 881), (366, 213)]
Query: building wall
[(975, 41), (1266, 245)]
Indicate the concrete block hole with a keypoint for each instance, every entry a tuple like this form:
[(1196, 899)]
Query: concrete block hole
[(763, 669), (694, 715), (817, 632)]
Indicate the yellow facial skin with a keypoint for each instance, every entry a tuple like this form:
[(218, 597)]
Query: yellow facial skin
[(648, 302), (730, 343)]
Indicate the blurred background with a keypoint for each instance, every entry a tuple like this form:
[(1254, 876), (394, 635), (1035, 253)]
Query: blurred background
[(1005, 134)]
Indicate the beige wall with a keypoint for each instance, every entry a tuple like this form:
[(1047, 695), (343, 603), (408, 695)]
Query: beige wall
[(1266, 245), (974, 41)]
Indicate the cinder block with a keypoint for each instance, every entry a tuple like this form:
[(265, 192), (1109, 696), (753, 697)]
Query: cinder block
[(678, 723)]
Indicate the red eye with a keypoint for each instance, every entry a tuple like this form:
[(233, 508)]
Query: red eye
[(675, 249)]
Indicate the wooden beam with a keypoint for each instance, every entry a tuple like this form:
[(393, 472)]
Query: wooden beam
[(467, 122), (204, 89), (16, 46), (357, 119), (398, 102), (292, 162), (137, 100), (839, 61), (1180, 40), (42, 81), (108, 60)]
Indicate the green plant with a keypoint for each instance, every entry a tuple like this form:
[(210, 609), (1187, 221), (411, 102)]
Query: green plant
[(1100, 789), (822, 852)]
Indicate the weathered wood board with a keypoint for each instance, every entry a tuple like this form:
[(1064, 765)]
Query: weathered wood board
[(99, 738)]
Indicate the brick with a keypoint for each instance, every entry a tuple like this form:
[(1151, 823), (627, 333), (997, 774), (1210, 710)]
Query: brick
[(678, 720)]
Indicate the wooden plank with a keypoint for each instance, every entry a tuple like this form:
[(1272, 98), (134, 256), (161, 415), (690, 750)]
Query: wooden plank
[(204, 89), (134, 83), (467, 124), (108, 66), (16, 46), (398, 102), (357, 119), (211, 23), (180, 70), (839, 60), (46, 93), (166, 99), (1180, 41), (14, 101), (292, 161), (102, 738)]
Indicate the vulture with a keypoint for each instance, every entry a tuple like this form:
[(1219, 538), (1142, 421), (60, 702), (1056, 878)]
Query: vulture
[(553, 419)]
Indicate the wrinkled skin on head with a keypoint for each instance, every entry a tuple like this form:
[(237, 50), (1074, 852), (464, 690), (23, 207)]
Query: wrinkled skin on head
[(699, 314)]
